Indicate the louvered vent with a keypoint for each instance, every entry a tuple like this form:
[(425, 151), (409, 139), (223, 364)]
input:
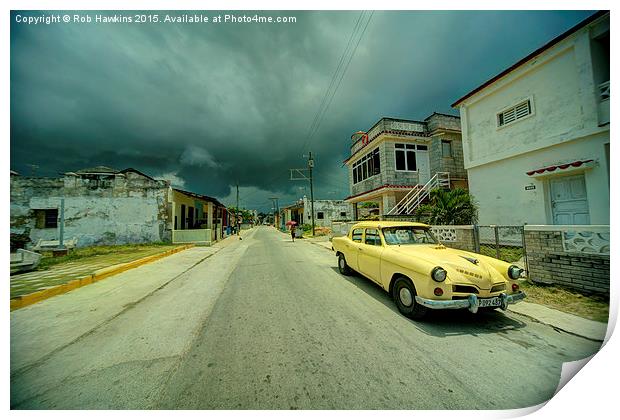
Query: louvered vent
[(515, 113)]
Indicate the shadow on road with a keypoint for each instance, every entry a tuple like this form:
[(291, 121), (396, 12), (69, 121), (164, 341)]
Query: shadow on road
[(441, 323)]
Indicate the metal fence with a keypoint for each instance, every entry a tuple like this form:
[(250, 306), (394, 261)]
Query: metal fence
[(502, 242)]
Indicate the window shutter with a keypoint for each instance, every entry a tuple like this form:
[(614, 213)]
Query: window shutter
[(515, 113)]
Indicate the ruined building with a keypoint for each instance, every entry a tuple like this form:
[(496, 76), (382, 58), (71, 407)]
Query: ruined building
[(105, 206)]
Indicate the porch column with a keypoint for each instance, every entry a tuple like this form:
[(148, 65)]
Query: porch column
[(388, 202), (210, 209)]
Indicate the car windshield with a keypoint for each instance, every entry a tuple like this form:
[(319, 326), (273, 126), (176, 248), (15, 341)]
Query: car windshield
[(408, 235)]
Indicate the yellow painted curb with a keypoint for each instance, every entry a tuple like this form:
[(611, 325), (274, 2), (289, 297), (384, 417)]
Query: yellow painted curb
[(98, 275)]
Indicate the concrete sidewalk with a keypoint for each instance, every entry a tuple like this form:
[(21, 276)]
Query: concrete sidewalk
[(563, 321)]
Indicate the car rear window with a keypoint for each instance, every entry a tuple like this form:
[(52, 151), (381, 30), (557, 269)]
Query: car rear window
[(372, 237)]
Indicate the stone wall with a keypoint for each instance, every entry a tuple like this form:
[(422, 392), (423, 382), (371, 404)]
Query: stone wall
[(453, 164), (99, 210), (575, 257)]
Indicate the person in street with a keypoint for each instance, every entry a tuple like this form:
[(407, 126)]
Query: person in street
[(293, 232)]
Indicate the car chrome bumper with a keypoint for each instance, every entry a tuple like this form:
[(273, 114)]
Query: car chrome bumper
[(471, 303)]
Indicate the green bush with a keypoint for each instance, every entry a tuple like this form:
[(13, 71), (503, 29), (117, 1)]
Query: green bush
[(448, 207)]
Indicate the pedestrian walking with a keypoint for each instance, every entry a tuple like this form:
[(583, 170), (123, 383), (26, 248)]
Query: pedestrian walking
[(293, 232)]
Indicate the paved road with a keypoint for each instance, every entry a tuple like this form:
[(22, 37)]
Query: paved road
[(266, 323)]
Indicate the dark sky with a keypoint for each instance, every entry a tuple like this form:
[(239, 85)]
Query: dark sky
[(210, 105)]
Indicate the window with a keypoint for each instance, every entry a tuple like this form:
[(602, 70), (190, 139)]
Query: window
[(372, 237), (320, 215), (514, 113), (367, 166), (446, 148), (405, 156), (46, 218), (356, 236), (343, 214), (408, 235)]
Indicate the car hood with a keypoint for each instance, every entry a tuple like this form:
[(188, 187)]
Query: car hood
[(459, 264)]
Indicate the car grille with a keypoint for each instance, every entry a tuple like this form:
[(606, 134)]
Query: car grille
[(464, 289), (498, 287)]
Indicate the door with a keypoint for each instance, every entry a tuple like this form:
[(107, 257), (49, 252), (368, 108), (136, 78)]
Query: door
[(352, 248), (569, 201), (369, 257), (423, 164)]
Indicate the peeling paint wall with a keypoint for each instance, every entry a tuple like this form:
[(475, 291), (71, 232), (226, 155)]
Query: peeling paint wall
[(99, 210), (333, 210)]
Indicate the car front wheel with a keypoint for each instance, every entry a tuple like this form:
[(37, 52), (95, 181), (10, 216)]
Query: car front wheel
[(342, 265), (404, 295)]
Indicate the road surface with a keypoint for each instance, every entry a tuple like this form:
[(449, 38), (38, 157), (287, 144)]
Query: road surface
[(265, 323)]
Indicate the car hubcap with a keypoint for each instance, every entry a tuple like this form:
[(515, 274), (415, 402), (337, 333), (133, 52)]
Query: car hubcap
[(341, 261), (405, 296)]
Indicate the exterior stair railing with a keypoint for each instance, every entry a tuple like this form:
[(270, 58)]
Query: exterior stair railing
[(417, 195)]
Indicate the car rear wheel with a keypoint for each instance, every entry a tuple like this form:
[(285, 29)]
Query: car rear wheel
[(404, 295), (343, 266)]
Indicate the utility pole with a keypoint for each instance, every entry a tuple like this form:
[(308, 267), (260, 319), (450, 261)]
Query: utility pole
[(306, 174), (237, 213), (310, 166), (276, 210)]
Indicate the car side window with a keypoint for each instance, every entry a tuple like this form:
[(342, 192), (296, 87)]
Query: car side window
[(356, 236), (372, 237)]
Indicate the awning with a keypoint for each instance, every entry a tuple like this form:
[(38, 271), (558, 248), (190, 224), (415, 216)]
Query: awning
[(561, 167)]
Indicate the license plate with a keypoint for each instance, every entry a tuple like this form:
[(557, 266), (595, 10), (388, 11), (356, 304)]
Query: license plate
[(485, 303)]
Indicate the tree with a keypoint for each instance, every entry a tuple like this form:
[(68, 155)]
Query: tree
[(449, 207)]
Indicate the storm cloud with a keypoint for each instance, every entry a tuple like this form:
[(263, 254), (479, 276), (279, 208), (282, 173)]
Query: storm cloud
[(208, 106)]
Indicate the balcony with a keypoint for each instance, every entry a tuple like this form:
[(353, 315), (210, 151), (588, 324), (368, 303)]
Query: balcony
[(603, 103), (390, 125)]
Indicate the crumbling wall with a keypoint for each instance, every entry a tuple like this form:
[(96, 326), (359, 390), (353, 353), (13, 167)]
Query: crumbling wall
[(99, 210), (331, 210)]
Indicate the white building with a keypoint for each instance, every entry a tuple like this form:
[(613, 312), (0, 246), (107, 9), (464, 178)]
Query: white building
[(536, 136), (325, 212)]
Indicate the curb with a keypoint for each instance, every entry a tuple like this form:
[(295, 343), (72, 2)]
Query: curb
[(98, 275)]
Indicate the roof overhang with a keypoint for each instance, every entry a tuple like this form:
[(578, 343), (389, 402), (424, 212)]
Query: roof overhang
[(377, 192), (578, 165)]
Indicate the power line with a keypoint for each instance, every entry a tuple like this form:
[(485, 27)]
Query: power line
[(343, 73), (333, 79)]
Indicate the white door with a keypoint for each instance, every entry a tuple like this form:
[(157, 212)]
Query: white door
[(569, 201), (424, 166)]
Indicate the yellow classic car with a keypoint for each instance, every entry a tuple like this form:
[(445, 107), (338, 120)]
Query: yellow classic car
[(406, 260)]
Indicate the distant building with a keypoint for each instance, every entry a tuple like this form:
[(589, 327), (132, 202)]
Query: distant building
[(536, 136), (106, 206), (325, 211), (397, 156)]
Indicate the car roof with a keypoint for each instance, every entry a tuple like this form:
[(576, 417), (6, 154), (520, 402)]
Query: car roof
[(386, 223)]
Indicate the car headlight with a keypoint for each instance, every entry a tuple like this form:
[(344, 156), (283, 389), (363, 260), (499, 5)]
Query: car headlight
[(439, 274), (514, 272)]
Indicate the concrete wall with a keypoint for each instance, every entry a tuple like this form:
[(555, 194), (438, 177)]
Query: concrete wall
[(331, 211), (202, 236), (126, 208), (551, 262), (563, 127), (499, 187)]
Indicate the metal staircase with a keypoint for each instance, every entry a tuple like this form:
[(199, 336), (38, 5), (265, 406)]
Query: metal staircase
[(417, 195)]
